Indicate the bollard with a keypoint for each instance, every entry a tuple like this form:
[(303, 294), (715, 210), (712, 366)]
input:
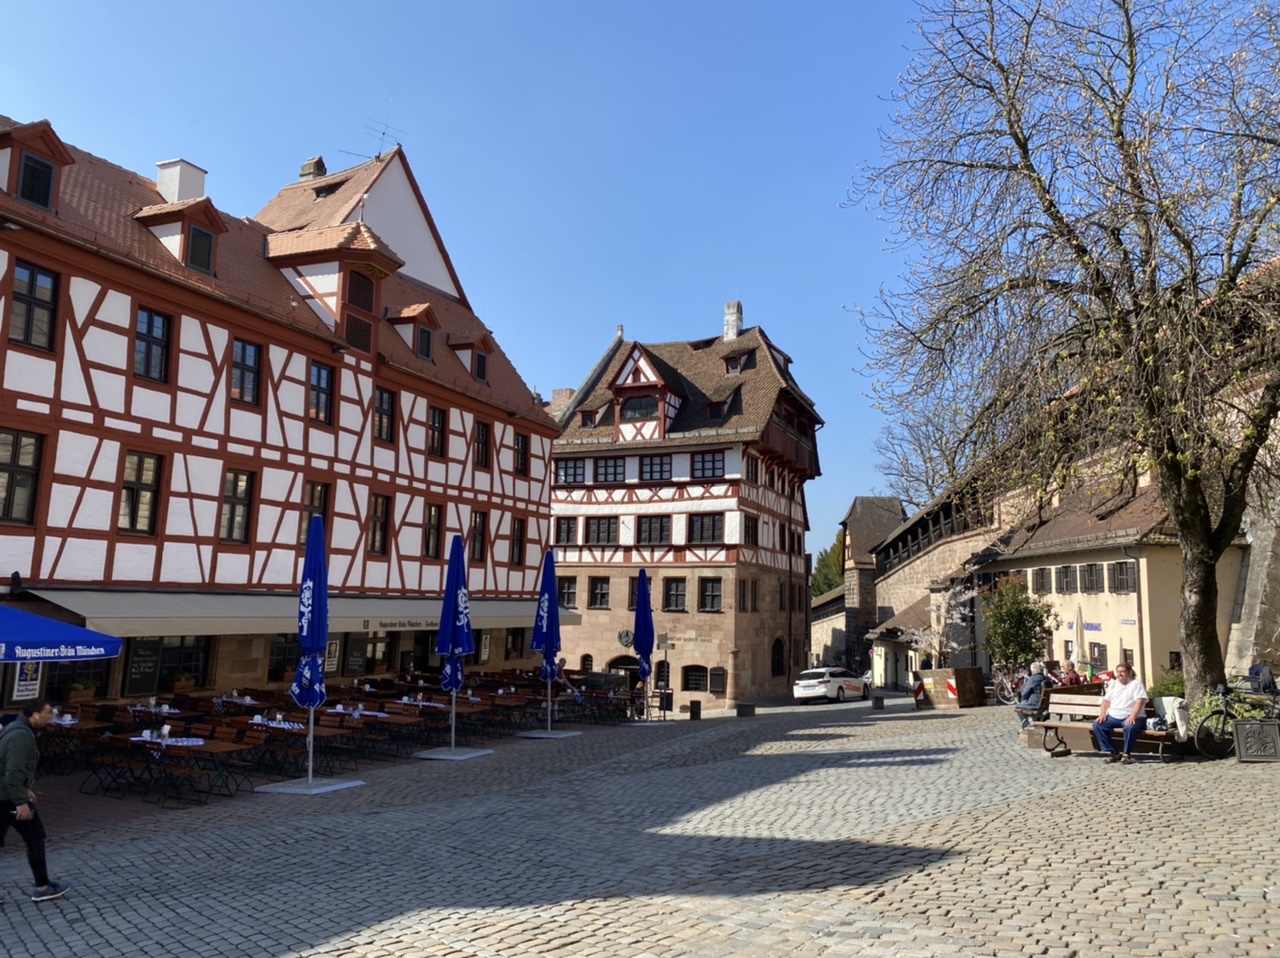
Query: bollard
[(877, 703), (695, 709), (746, 710)]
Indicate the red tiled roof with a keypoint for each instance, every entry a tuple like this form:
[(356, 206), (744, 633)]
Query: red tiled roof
[(305, 205), (97, 207), (346, 236)]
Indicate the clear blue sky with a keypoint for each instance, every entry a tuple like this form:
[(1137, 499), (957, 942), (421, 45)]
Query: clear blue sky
[(588, 164)]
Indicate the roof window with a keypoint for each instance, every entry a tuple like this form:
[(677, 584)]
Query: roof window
[(36, 184), (200, 249)]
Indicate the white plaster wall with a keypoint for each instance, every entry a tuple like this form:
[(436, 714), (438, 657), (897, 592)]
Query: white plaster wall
[(116, 310), (180, 562), (32, 375), (195, 374), (17, 553), (82, 560), (108, 389), (232, 568), (134, 561), (82, 293), (105, 347), (170, 236), (392, 211), (151, 404)]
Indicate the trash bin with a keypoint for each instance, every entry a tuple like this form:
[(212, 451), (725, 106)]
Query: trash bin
[(877, 702), (666, 701), (695, 709)]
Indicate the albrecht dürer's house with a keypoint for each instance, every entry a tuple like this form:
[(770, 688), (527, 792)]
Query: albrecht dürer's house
[(183, 389), (689, 460)]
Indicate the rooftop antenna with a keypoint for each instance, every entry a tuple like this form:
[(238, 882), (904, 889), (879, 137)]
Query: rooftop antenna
[(380, 130), (383, 130)]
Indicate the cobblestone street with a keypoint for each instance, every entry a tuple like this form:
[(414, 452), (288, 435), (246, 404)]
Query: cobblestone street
[(828, 830)]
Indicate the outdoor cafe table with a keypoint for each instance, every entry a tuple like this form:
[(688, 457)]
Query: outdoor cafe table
[(63, 747)]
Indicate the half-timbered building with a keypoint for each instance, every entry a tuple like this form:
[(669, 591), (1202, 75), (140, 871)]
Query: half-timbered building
[(181, 389), (688, 460)]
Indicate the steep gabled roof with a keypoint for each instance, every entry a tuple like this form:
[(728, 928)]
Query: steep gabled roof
[(336, 198), (869, 520), (694, 370), (97, 210)]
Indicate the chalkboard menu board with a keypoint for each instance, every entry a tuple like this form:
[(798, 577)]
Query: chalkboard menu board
[(144, 667), (357, 652)]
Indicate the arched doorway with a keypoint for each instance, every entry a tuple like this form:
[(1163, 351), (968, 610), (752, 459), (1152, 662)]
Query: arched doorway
[(628, 665)]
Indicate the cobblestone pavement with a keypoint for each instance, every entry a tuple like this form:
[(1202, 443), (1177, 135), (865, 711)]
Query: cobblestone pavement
[(827, 830)]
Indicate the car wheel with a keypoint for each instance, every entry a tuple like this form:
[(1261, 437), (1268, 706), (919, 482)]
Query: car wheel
[(840, 694), (866, 693)]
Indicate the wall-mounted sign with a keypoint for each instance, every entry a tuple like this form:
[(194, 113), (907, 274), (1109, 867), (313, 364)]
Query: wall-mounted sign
[(331, 653), (26, 681)]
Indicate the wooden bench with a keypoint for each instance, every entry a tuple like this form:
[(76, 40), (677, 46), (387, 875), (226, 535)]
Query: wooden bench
[(1041, 709), (1072, 711)]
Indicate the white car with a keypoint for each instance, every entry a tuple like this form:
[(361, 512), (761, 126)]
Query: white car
[(832, 684)]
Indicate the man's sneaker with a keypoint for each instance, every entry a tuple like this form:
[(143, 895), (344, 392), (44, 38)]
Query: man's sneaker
[(1113, 757), (55, 889)]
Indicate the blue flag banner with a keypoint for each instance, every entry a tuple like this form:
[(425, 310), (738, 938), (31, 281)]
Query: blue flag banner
[(546, 627), (313, 621), (455, 639)]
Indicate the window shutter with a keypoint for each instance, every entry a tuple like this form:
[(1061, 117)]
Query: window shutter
[(359, 333), (37, 181), (717, 680), (360, 291), (200, 249)]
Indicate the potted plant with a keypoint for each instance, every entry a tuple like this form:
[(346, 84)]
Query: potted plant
[(81, 690), (182, 682)]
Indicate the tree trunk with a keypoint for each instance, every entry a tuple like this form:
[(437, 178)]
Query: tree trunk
[(1202, 663)]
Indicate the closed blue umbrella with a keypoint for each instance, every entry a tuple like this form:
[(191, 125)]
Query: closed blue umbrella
[(642, 643), (546, 628), (313, 633), (455, 639)]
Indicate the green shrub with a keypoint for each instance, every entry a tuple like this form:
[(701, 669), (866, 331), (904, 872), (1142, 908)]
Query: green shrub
[(1172, 683)]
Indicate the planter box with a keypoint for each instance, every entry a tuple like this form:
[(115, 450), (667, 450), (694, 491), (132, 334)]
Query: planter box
[(80, 696), (185, 685), (1257, 740), (953, 688)]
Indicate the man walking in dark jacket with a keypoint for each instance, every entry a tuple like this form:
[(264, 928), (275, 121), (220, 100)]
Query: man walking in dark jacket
[(18, 757)]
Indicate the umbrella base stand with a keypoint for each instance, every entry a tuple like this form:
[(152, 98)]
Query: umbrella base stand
[(301, 786), (445, 754), (547, 733), (649, 723)]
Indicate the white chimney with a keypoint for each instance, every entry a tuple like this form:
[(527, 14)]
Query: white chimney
[(179, 180), (732, 320)]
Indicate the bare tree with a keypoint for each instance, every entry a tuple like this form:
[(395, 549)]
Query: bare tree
[(1087, 193)]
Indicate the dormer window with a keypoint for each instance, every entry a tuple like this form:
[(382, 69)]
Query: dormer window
[(589, 420), (200, 249), (715, 411), (733, 365), (639, 408), (424, 343), (482, 367), (36, 182)]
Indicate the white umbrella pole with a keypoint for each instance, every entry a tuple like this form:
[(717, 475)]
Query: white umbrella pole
[(311, 742), (548, 705), (453, 718)]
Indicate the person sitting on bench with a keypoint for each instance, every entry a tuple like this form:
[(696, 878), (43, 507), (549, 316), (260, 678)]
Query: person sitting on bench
[(1028, 707), (1123, 706)]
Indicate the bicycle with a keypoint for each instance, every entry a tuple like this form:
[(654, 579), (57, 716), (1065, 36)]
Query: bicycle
[(1216, 733), (1006, 686)]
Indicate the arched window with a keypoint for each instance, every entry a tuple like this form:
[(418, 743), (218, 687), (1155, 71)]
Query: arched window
[(779, 657), (662, 675), (639, 407), (693, 678), (588, 663)]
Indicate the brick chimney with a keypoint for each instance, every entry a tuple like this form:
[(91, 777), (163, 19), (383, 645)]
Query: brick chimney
[(180, 180), (732, 320)]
